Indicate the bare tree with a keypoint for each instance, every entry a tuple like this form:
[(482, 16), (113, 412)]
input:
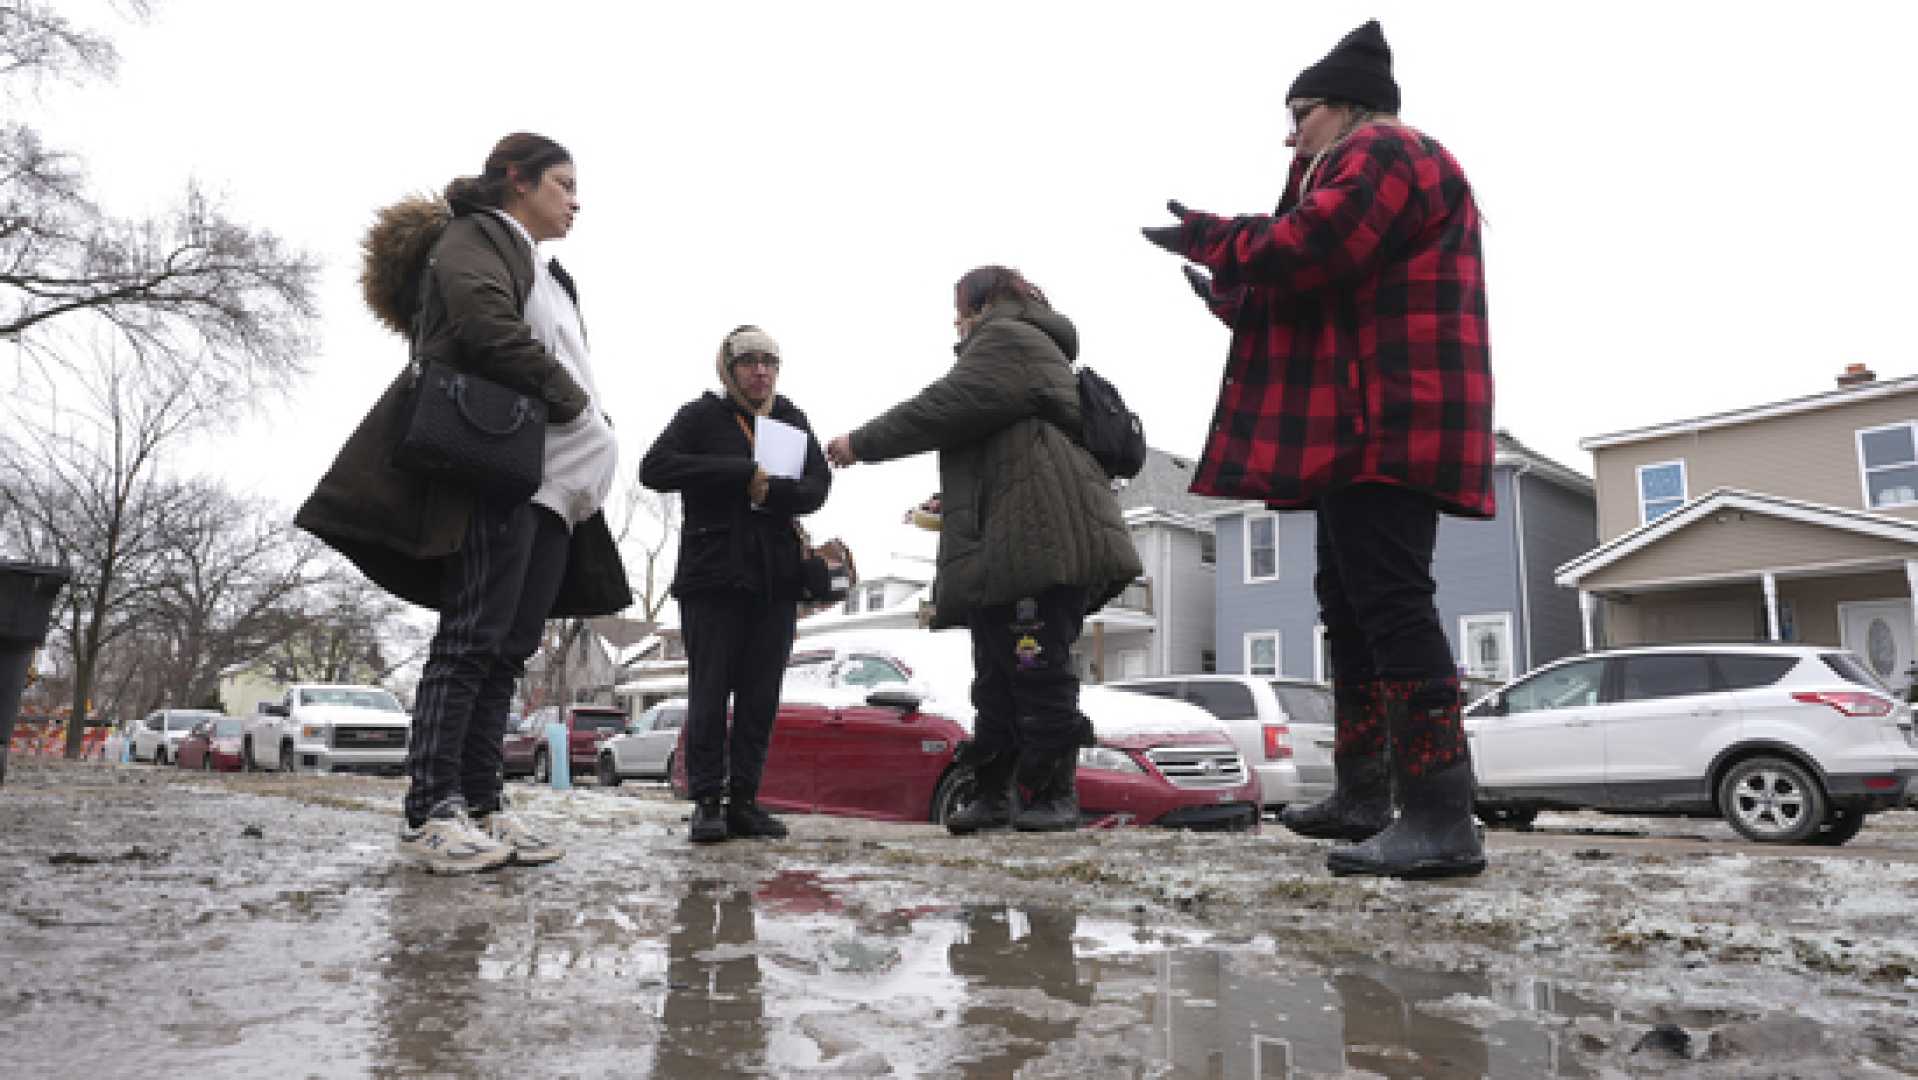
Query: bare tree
[(234, 573), (191, 283), (346, 629), (649, 524), (83, 488)]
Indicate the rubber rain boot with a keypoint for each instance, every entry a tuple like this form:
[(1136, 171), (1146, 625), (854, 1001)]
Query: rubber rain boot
[(1052, 778), (1360, 805), (1435, 835), (991, 805)]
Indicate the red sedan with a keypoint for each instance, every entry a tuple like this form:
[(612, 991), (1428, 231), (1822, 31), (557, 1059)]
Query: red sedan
[(211, 745), (869, 724)]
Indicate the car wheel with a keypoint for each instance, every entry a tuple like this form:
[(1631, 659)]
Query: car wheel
[(159, 756), (955, 790), (1772, 800), (286, 758), (247, 764), (1507, 817), (608, 772), (1839, 828), (542, 769), (206, 762)]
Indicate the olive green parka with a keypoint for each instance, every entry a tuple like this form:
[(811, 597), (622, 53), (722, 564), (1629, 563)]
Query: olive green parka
[(1025, 507)]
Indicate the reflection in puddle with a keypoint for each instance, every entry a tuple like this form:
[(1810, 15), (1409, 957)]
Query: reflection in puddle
[(793, 977)]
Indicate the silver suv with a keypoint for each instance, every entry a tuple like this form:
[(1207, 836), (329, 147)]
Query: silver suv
[(1788, 743), (1282, 727)]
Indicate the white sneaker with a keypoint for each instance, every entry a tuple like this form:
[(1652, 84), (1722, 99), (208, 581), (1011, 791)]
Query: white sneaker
[(451, 845), (529, 848)]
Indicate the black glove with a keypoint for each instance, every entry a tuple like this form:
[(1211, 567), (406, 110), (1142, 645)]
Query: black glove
[(1200, 281), (1173, 238)]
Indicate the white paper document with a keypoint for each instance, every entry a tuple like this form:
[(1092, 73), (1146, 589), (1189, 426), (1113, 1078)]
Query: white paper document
[(779, 448)]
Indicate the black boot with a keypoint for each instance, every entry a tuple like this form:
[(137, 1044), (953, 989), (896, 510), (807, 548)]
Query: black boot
[(746, 819), (991, 805), (1435, 835), (1052, 778), (1358, 808), (709, 821)]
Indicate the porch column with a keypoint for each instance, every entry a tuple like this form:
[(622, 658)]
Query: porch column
[(1587, 612), (1771, 604)]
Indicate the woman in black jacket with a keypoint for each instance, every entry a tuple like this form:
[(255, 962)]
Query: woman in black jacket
[(738, 579)]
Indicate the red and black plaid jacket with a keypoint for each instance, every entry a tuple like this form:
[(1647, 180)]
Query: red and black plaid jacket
[(1359, 349)]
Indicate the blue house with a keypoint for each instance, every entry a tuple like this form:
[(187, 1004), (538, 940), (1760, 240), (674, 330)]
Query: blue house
[(1501, 609)]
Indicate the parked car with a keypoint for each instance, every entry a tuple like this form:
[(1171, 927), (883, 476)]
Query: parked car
[(524, 750), (1283, 727), (213, 744), (1787, 743), (870, 722), (645, 749), (157, 737), (328, 727)]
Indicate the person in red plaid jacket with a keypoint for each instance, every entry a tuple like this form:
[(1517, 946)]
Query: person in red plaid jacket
[(1359, 385)]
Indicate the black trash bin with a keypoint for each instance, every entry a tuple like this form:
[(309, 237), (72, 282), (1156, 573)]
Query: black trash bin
[(27, 592)]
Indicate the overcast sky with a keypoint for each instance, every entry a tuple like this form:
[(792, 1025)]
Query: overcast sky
[(1690, 207)]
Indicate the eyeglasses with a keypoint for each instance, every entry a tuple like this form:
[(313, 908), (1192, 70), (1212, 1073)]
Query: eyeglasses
[(1300, 111), (757, 359)]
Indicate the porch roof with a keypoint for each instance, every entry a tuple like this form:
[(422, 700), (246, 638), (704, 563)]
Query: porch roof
[(1861, 539)]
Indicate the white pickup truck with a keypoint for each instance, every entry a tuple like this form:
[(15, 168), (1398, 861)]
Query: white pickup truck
[(325, 728)]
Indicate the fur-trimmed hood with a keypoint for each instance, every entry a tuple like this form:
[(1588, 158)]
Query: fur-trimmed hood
[(395, 251)]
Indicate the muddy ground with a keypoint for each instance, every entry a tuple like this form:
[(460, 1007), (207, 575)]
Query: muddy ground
[(154, 923)]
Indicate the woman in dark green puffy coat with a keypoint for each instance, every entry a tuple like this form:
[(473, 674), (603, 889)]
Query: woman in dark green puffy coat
[(1031, 540)]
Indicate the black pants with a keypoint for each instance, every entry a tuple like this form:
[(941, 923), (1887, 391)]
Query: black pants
[(1024, 690), (1375, 586), (494, 598), (736, 648)]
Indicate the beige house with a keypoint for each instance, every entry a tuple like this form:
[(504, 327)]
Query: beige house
[(1791, 521)]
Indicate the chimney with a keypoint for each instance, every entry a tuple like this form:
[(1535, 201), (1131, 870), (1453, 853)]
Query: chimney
[(1856, 374)]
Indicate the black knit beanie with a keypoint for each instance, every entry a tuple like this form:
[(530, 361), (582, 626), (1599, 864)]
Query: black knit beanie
[(1357, 70)]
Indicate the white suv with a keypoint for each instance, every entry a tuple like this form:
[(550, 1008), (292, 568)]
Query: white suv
[(157, 737), (1788, 743), (1282, 727)]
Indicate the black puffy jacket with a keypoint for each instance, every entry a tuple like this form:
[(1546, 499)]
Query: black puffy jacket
[(726, 544)]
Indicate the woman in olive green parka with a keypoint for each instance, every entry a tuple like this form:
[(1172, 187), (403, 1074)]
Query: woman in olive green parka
[(1031, 540)]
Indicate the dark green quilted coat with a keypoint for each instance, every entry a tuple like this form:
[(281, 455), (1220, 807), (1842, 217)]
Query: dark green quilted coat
[(1025, 505)]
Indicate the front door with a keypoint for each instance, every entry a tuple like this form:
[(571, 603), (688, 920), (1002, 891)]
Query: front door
[(1879, 631)]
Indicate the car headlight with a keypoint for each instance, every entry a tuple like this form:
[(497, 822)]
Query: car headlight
[(1108, 759), (314, 732)]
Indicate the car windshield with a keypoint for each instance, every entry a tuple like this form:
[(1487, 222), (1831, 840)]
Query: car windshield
[(226, 728), (598, 721), (378, 700), (1304, 704), (187, 721)]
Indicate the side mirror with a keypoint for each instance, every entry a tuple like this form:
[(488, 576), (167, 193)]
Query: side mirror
[(906, 697)]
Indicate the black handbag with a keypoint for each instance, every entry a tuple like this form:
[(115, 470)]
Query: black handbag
[(473, 433), (464, 430)]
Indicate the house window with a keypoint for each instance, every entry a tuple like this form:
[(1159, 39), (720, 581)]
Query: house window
[(875, 597), (1261, 547), (1208, 549), (1262, 653), (1485, 646), (1208, 661), (1661, 489), (852, 602), (1888, 460)]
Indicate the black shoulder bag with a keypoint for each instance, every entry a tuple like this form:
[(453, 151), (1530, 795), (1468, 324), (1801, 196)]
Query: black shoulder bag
[(468, 431)]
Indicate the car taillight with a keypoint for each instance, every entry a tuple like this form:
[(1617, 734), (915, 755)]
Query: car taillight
[(1278, 742), (1849, 702)]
